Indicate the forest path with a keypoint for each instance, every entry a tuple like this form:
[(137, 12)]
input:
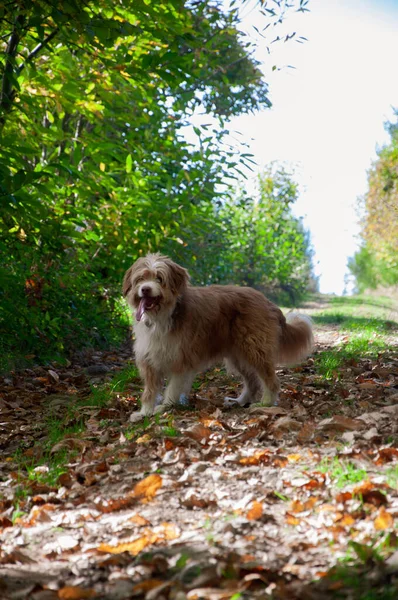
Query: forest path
[(207, 503)]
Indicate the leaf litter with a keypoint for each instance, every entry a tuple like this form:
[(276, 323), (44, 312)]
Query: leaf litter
[(267, 502)]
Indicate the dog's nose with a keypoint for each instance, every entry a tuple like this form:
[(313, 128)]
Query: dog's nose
[(146, 289)]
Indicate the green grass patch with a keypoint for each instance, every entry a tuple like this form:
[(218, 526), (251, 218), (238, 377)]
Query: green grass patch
[(361, 573), (366, 339), (46, 455), (342, 472)]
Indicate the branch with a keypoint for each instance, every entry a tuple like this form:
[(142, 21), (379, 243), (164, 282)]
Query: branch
[(6, 94), (36, 50)]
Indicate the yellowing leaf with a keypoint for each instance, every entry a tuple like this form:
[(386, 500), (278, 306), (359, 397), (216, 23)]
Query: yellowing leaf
[(292, 520), (134, 547), (294, 457), (147, 488), (138, 520), (71, 592), (384, 520), (255, 512), (256, 458), (102, 166), (165, 532), (143, 439)]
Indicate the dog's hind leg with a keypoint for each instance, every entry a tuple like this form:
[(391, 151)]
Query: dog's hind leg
[(177, 389), (267, 373), (252, 387)]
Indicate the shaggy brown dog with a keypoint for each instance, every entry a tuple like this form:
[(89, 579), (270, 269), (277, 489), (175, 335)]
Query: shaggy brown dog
[(180, 330)]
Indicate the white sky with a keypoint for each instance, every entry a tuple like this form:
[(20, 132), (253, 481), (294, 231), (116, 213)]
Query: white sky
[(327, 116)]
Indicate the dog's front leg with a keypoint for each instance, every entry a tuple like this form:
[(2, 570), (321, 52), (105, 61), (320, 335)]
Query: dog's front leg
[(177, 390), (152, 385)]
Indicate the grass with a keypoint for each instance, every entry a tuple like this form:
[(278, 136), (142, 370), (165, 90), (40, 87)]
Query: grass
[(342, 472), (361, 573), (392, 477), (365, 323), (72, 425)]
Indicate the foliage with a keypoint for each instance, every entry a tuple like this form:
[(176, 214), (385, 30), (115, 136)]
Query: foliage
[(94, 165), (376, 263), (268, 247)]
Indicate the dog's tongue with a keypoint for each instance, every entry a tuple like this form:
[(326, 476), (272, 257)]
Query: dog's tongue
[(141, 309)]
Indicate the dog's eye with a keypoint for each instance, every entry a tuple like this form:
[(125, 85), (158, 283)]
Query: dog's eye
[(139, 279), (159, 279)]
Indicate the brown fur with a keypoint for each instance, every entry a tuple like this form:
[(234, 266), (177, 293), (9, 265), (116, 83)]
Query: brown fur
[(189, 328)]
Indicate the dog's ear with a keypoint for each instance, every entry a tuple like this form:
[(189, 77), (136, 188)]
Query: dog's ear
[(179, 277), (127, 285)]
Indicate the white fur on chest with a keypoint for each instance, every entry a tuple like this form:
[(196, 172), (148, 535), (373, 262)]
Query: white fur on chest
[(154, 345)]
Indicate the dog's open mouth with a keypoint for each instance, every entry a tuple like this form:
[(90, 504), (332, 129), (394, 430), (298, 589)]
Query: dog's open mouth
[(147, 303)]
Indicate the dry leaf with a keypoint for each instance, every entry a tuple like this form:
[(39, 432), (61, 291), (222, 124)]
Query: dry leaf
[(134, 547), (306, 433), (146, 586), (199, 432), (286, 424), (165, 532), (370, 494), (255, 512), (291, 519), (144, 439), (147, 488), (339, 423), (71, 592), (256, 458), (294, 457), (138, 520), (384, 520)]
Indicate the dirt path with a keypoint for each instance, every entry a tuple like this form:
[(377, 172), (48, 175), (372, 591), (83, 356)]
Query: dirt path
[(206, 503)]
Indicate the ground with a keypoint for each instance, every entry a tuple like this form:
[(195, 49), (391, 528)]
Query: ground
[(297, 500)]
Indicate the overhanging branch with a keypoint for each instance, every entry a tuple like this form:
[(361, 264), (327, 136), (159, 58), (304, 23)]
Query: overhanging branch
[(6, 94), (36, 50)]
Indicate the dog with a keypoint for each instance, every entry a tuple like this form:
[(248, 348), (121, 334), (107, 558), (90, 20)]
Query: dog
[(181, 329)]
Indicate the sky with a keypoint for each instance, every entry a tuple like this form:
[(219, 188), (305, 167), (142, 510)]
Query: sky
[(328, 115)]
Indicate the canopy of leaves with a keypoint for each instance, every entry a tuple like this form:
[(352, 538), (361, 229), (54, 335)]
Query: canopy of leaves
[(377, 261), (95, 168), (269, 247)]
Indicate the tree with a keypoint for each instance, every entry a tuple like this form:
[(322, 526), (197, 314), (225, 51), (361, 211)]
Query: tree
[(376, 263), (94, 166), (266, 246)]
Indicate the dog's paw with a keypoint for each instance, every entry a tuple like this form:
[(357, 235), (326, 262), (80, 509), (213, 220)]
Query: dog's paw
[(161, 408), (137, 416), (235, 402)]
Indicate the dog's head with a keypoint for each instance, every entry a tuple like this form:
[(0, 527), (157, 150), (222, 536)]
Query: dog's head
[(153, 283)]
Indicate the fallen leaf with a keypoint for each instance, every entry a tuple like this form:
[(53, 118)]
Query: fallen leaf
[(70, 444), (286, 424), (291, 519), (71, 592), (146, 586), (138, 520), (384, 520), (339, 423), (255, 512), (256, 458), (165, 532), (147, 488), (194, 501), (370, 494), (306, 433), (199, 432), (134, 547), (386, 455), (143, 439)]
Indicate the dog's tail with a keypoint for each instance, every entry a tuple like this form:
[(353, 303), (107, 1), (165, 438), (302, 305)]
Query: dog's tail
[(296, 340)]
